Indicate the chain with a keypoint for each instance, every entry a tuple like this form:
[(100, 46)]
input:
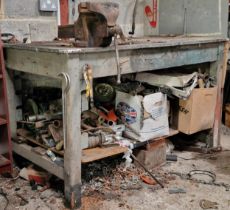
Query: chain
[(213, 182)]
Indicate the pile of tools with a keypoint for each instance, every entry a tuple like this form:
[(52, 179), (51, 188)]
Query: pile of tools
[(42, 118)]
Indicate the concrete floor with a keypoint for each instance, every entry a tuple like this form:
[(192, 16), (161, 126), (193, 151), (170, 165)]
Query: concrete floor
[(146, 198)]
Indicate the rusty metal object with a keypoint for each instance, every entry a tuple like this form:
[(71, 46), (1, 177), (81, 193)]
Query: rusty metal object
[(56, 130), (95, 26), (34, 118)]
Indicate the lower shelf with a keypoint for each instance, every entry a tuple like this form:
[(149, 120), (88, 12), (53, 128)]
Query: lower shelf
[(2, 121), (44, 162), (4, 161), (5, 165)]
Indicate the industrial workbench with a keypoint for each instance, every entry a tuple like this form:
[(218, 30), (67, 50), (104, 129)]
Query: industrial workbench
[(143, 54)]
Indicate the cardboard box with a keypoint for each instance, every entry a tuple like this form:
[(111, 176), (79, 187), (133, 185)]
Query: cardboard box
[(227, 115), (146, 115), (198, 111)]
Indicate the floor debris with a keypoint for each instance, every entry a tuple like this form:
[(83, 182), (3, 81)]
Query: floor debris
[(176, 190), (106, 185), (206, 204)]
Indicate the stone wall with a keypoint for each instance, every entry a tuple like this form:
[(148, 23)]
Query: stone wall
[(24, 19)]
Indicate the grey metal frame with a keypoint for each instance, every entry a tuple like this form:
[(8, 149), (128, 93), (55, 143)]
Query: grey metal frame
[(159, 53)]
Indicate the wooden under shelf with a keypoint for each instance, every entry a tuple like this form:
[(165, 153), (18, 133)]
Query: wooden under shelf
[(88, 155), (4, 161), (93, 154), (2, 121)]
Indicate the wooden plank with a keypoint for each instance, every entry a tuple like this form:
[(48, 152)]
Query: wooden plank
[(90, 155), (27, 135), (2, 121), (44, 162), (4, 161)]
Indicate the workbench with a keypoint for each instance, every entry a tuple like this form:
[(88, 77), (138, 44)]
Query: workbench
[(143, 54)]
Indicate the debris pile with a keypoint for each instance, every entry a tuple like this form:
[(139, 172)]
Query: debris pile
[(107, 175)]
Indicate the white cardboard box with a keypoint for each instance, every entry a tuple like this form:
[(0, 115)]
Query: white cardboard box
[(146, 115)]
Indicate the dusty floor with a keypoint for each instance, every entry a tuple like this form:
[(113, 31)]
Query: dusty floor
[(146, 197)]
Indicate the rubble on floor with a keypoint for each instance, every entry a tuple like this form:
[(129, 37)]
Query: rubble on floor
[(108, 184)]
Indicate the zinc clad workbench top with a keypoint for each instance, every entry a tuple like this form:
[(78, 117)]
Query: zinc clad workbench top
[(50, 59)]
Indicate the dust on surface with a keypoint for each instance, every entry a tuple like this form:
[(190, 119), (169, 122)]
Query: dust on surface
[(221, 162)]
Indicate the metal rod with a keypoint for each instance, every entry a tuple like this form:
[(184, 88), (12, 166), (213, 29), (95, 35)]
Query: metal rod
[(117, 60), (65, 89), (134, 18), (147, 170)]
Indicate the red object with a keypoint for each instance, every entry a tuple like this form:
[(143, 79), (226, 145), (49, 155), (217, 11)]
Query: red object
[(5, 137), (110, 116), (38, 179), (148, 180), (64, 8), (152, 14)]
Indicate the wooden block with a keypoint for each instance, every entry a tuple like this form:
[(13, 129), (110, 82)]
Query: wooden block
[(154, 155), (90, 155)]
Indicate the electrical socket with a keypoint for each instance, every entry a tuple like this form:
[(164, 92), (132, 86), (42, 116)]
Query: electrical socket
[(48, 5)]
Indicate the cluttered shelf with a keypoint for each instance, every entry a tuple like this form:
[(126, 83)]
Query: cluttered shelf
[(88, 155), (131, 114)]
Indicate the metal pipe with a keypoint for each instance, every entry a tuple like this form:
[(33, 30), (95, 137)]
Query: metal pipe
[(117, 60), (65, 89), (34, 118), (134, 18)]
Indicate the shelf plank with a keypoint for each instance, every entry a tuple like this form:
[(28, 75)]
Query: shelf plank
[(4, 161), (90, 155), (3, 121), (44, 162), (172, 132), (27, 135)]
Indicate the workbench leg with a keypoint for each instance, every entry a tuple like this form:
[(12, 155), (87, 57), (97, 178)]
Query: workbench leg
[(219, 70), (72, 157)]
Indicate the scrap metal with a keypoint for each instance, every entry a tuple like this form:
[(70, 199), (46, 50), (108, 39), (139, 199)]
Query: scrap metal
[(189, 176), (206, 204)]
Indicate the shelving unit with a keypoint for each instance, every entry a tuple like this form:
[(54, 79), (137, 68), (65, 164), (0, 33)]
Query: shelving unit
[(5, 137)]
